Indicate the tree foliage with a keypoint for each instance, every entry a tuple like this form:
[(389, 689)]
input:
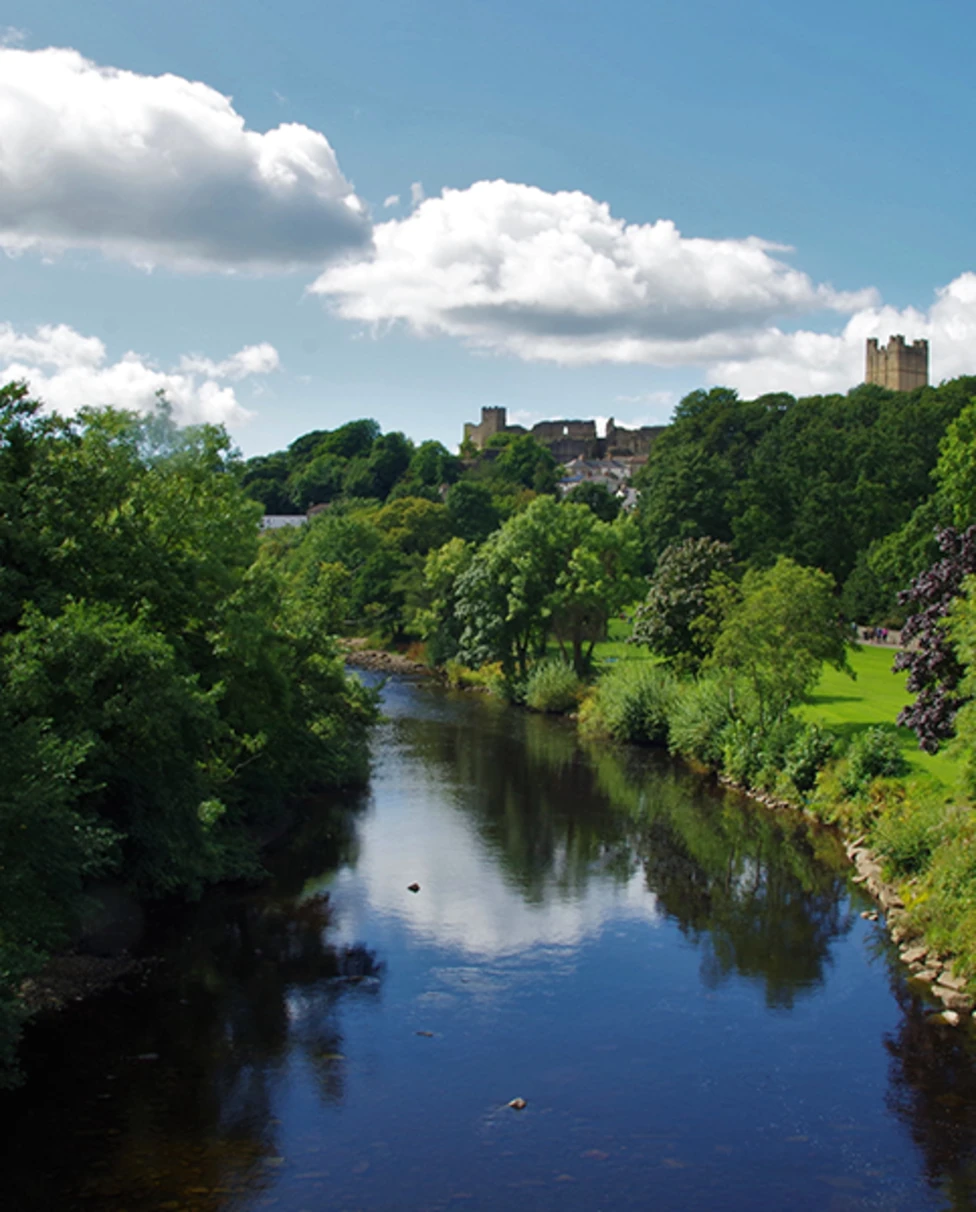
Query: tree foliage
[(934, 668), (780, 628), (667, 621)]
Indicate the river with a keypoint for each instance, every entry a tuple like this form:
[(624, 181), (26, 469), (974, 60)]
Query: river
[(678, 983)]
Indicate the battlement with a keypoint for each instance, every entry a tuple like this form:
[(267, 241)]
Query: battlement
[(897, 365), (567, 439)]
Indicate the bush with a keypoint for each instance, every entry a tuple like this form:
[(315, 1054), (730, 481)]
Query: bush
[(632, 702), (907, 835), (873, 754), (552, 686), (701, 712), (810, 751)]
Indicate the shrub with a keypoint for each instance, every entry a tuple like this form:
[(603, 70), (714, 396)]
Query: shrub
[(632, 702), (552, 686), (810, 751), (701, 712), (907, 835), (873, 754)]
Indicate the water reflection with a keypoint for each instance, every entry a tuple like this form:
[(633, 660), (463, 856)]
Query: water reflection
[(592, 835), (933, 1091), (173, 1080), (672, 977)]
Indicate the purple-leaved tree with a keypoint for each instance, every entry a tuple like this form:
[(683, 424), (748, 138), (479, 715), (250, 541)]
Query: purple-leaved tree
[(934, 671)]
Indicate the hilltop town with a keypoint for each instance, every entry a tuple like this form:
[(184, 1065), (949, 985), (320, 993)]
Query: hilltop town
[(612, 459)]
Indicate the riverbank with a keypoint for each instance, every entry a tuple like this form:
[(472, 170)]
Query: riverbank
[(357, 654)]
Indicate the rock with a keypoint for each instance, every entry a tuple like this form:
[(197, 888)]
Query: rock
[(927, 975), (950, 1017), (912, 955), (425, 1034), (952, 999), (859, 879), (518, 1104), (413, 887), (951, 981)]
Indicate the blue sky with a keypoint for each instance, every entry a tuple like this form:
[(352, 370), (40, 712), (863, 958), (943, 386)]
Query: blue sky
[(839, 131)]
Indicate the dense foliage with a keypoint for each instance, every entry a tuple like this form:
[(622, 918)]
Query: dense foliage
[(819, 479), (165, 686)]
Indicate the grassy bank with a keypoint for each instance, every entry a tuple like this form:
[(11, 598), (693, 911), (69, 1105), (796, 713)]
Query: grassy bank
[(874, 699)]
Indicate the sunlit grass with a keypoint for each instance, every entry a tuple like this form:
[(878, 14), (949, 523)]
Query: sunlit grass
[(874, 698)]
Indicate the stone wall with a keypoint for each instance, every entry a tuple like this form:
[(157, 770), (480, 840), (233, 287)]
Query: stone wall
[(897, 366)]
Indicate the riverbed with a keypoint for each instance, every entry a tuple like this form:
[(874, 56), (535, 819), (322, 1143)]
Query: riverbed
[(677, 982)]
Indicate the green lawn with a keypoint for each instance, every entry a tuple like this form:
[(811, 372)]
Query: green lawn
[(875, 697)]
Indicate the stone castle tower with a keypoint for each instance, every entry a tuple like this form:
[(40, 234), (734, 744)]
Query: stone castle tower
[(897, 365)]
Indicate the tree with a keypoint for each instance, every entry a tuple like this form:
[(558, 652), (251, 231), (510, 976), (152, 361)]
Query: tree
[(597, 497), (678, 598), (552, 569), (525, 461), (472, 511), (934, 668), (779, 630)]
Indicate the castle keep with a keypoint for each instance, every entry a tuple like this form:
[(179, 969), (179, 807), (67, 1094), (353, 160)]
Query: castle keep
[(566, 439), (896, 365)]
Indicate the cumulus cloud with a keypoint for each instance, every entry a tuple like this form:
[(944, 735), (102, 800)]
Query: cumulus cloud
[(807, 362), (392, 200), (417, 194), (69, 371), (161, 170), (556, 277)]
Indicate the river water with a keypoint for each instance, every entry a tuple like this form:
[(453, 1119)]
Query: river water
[(678, 983)]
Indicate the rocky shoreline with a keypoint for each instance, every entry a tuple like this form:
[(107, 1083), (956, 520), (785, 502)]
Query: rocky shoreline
[(925, 964), (377, 660)]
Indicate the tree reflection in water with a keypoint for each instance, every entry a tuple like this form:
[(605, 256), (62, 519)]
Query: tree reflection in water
[(247, 984), (933, 1091), (761, 893)]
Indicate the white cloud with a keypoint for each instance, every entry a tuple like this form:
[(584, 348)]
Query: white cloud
[(161, 170), (417, 194), (251, 360), (69, 371), (10, 35), (806, 362), (392, 200), (557, 277)]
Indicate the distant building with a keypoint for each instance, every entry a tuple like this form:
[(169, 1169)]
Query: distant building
[(278, 521), (896, 365), (566, 439)]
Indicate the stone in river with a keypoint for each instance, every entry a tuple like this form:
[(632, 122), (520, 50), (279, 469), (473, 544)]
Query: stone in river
[(518, 1104), (413, 887), (911, 955)]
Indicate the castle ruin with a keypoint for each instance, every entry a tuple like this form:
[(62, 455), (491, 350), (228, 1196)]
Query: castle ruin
[(567, 439), (896, 365)]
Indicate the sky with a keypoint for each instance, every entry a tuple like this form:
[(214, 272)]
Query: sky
[(286, 217)]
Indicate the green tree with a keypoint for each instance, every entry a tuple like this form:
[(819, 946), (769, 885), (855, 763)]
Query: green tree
[(552, 569), (779, 630), (668, 621), (597, 497), (472, 510)]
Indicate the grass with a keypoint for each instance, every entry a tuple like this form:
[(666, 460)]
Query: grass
[(874, 698), (849, 707)]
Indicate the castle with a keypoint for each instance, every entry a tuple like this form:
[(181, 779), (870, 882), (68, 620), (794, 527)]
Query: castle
[(567, 439), (896, 365)]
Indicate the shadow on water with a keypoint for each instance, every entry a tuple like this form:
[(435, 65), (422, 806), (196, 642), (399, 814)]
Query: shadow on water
[(171, 1093), (163, 1090)]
